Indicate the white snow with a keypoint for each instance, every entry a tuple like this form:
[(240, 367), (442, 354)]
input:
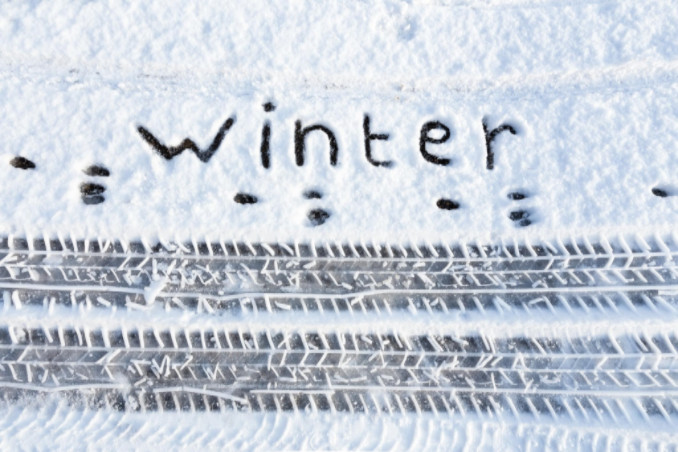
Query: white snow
[(53, 426), (589, 85)]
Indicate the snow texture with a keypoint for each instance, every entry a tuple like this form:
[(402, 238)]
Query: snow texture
[(372, 122), (589, 87), (45, 426)]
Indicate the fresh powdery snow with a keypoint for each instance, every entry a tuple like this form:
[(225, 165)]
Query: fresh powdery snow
[(588, 86), (285, 135)]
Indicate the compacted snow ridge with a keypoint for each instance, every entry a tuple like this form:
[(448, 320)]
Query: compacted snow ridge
[(52, 422)]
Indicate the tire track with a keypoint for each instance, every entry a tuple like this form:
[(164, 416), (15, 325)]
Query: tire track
[(73, 328)]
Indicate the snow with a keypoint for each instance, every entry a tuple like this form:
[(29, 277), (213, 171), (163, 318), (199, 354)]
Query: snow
[(589, 87), (35, 428)]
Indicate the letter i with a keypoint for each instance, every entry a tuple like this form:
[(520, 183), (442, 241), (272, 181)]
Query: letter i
[(266, 138)]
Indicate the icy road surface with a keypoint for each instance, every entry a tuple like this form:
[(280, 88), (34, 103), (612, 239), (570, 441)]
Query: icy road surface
[(564, 338)]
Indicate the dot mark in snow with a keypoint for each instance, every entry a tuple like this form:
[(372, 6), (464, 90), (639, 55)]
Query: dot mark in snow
[(90, 192), (518, 215), (97, 171), (447, 204), (662, 193), (521, 217), (245, 198), (93, 200), (318, 216), (91, 189), (312, 194), (22, 163), (516, 196)]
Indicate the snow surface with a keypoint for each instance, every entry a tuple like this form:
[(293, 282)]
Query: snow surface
[(55, 424), (589, 86)]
